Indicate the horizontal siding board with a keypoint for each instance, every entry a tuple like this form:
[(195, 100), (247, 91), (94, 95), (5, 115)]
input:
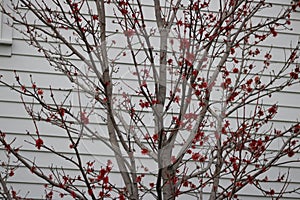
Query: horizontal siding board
[(21, 47)]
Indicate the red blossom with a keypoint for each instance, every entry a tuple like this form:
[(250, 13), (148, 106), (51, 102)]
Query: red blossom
[(260, 113), (23, 88), (198, 92), (155, 137), (195, 72), (65, 178), (267, 138), (73, 194), (144, 151), (109, 162), (171, 41), (232, 96), (204, 84), (257, 80), (90, 191), (144, 104), (185, 184), (84, 118), (296, 128), (124, 11), (268, 56), (11, 173), (32, 169), (195, 156), (121, 196), (2, 134), (138, 179), (290, 153), (144, 83), (101, 194), (273, 31), (294, 75), (40, 92), (7, 147), (132, 111), (152, 185), (95, 17), (176, 99), (101, 175), (235, 70), (129, 32), (147, 137), (49, 195), (62, 111), (249, 89), (235, 60), (179, 23), (249, 82), (122, 3), (39, 143), (273, 110), (235, 167), (14, 194), (228, 81), (232, 50)]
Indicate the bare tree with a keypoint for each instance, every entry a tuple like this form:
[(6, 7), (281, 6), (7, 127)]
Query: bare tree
[(185, 117)]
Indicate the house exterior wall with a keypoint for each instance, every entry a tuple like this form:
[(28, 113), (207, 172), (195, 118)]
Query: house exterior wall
[(16, 54)]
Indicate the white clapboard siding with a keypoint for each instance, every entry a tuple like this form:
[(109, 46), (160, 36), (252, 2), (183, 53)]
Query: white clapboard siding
[(26, 60)]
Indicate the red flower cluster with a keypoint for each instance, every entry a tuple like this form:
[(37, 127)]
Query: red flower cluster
[(294, 75), (40, 92), (84, 118), (273, 110), (39, 143), (257, 147), (129, 32), (273, 31), (144, 151), (198, 157)]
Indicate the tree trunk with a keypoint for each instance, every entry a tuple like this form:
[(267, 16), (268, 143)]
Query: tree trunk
[(167, 173), (169, 183)]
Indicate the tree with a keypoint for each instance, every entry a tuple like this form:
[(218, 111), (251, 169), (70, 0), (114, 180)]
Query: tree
[(186, 117)]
